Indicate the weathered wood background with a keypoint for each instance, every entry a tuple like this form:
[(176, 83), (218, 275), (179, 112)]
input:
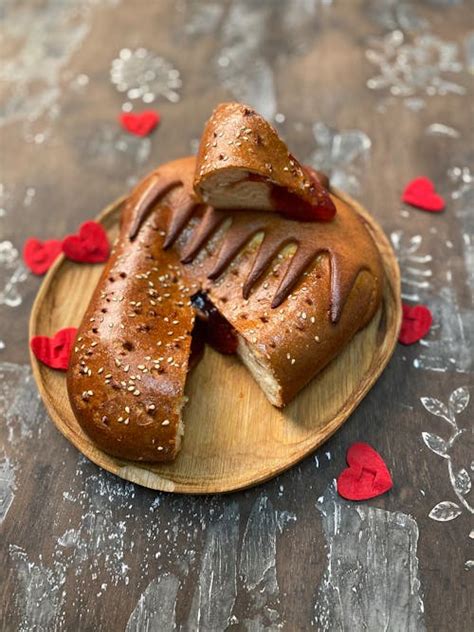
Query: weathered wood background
[(374, 92)]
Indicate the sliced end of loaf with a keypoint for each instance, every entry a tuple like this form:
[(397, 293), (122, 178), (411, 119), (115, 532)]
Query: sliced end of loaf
[(261, 372)]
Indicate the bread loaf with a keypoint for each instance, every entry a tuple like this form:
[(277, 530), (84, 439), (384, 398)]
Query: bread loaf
[(294, 294)]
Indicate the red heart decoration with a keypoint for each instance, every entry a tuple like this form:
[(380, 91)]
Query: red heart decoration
[(89, 246), (416, 323), (421, 193), (39, 256), (56, 351), (139, 124), (367, 475)]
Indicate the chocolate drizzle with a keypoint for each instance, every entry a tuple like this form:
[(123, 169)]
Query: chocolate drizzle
[(310, 242), (337, 240), (157, 188), (180, 215)]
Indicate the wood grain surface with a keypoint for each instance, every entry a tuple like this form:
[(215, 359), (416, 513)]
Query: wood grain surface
[(234, 438), (82, 549)]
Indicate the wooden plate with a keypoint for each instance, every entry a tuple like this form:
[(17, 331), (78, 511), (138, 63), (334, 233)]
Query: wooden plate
[(234, 438)]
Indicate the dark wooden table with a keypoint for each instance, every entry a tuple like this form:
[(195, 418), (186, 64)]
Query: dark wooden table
[(374, 92)]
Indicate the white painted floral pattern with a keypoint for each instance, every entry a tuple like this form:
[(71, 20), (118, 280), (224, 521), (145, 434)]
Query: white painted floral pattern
[(460, 479)]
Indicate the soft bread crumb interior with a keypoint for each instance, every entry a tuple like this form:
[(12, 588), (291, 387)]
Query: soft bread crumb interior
[(260, 371), (180, 429), (232, 189)]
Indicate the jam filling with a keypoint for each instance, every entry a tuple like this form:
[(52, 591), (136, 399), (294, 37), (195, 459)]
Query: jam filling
[(210, 328)]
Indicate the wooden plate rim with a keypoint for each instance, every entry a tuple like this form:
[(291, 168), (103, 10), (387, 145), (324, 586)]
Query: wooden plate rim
[(137, 473)]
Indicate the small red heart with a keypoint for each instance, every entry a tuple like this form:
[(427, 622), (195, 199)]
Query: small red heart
[(367, 475), (416, 323), (421, 193), (139, 124), (39, 256), (56, 351), (90, 245)]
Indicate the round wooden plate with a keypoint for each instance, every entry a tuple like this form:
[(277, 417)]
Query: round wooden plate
[(233, 437)]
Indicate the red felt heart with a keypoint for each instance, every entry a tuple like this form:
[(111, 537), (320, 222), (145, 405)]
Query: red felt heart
[(39, 256), (367, 475), (89, 246), (139, 124), (421, 193), (416, 323), (56, 351)]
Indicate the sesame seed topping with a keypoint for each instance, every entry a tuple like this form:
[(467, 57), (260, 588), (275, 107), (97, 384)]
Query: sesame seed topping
[(166, 422), (136, 392)]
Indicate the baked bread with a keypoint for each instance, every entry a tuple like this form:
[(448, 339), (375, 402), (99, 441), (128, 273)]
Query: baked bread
[(292, 294), (243, 163)]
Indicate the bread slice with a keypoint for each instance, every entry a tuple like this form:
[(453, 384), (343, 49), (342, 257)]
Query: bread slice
[(242, 163)]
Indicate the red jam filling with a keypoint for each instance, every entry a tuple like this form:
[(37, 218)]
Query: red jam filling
[(294, 207), (210, 328)]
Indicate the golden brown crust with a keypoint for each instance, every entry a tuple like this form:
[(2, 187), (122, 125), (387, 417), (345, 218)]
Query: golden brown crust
[(128, 369), (238, 145), (293, 341)]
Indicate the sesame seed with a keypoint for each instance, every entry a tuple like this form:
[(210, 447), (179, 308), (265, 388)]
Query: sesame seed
[(127, 409), (288, 356), (131, 388), (126, 421), (101, 370), (293, 360), (118, 362), (136, 392), (313, 319), (166, 422), (159, 448), (316, 338)]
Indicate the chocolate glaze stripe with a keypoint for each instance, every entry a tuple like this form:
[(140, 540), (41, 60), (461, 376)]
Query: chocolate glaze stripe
[(157, 188), (180, 216), (243, 228), (210, 222)]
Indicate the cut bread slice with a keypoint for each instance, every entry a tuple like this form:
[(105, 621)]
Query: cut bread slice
[(243, 163)]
